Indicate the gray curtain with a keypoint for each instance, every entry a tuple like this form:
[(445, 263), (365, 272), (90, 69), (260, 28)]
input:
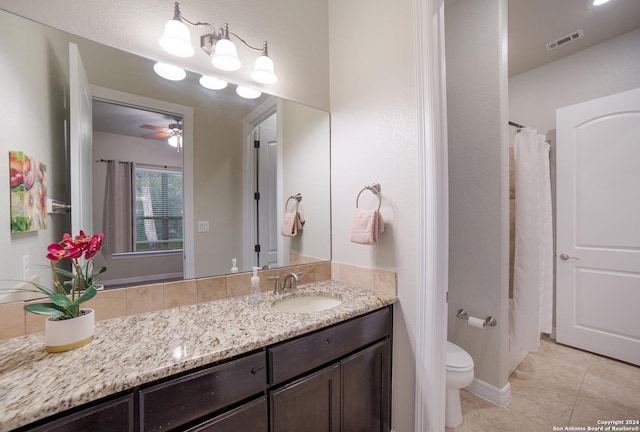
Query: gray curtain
[(119, 207)]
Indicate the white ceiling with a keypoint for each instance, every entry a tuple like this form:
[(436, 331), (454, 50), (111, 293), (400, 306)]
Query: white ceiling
[(533, 23)]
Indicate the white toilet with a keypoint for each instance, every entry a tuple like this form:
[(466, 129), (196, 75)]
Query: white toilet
[(459, 375)]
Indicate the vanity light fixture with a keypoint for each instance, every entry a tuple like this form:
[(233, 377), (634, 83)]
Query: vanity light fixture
[(169, 71), (216, 44), (247, 92), (593, 3), (212, 83)]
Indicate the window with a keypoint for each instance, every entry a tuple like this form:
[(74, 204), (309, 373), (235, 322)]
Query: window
[(158, 212)]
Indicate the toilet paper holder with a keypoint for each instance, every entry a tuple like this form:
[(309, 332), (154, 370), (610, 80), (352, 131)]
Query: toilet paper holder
[(488, 321)]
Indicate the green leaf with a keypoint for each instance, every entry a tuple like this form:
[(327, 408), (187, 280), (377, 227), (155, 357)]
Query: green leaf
[(60, 300), (44, 309), (64, 272), (87, 295)]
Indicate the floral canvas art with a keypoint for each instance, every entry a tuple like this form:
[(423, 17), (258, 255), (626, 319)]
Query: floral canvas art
[(28, 191)]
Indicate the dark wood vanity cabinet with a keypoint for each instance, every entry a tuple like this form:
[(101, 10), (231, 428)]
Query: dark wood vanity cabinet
[(351, 394), (334, 379)]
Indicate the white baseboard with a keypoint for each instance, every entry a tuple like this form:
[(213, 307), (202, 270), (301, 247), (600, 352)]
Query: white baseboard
[(497, 396)]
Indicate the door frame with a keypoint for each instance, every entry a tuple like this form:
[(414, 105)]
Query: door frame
[(143, 102), (263, 111)]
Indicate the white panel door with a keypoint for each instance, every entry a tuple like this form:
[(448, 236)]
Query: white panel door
[(598, 226), (80, 144), (268, 204)]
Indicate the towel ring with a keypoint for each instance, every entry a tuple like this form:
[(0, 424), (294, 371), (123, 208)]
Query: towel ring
[(375, 188), (297, 197)]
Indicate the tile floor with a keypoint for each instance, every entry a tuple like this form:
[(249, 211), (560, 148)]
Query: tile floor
[(558, 386)]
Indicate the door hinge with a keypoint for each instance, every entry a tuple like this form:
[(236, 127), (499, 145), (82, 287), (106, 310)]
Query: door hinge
[(256, 196), (256, 144), (256, 248)]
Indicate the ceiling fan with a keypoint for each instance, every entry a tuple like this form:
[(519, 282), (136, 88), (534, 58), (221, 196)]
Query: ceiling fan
[(173, 133)]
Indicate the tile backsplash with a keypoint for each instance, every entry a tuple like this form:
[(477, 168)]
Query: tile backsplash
[(113, 303)]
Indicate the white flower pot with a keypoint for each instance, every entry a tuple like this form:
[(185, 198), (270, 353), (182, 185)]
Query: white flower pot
[(67, 334)]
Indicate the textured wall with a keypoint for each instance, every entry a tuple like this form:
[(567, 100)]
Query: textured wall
[(373, 139), (478, 181)]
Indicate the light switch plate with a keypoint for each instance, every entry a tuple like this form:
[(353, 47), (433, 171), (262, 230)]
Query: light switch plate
[(203, 226)]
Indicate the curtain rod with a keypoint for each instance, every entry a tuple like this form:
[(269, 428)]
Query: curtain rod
[(142, 164)]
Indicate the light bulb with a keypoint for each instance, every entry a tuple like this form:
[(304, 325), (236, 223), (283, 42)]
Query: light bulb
[(263, 70), (226, 56), (176, 39), (248, 93), (170, 72), (173, 141), (212, 83)]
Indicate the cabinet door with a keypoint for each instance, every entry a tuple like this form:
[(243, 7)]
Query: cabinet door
[(250, 417), (310, 404), (366, 379)]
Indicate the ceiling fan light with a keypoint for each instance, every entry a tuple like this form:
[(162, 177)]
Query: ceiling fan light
[(170, 72), (212, 83), (176, 39), (225, 56), (263, 70), (248, 93), (173, 141)]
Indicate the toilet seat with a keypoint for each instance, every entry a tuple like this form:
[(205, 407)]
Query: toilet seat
[(458, 360)]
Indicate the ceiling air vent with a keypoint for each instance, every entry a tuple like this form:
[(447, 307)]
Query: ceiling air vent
[(565, 40)]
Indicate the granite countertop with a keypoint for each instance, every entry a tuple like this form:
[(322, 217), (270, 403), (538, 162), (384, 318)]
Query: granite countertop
[(138, 349)]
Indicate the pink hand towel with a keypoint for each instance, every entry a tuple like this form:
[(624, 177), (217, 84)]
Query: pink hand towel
[(291, 223), (366, 226)]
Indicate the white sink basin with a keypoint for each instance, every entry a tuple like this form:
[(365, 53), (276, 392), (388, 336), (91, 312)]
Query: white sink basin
[(315, 303)]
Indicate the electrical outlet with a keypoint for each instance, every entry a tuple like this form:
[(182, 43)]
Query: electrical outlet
[(26, 272), (203, 226)]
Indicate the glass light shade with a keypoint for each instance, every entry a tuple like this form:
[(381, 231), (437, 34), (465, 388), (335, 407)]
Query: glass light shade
[(176, 39), (212, 83), (599, 2), (248, 93), (170, 72), (174, 141), (226, 56), (263, 71)]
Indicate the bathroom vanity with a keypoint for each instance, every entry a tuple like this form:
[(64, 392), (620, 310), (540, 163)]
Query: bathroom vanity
[(219, 366)]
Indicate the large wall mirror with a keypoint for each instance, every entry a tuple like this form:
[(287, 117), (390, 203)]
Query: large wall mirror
[(222, 169)]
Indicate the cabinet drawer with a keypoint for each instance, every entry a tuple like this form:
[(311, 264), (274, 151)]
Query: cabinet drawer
[(250, 417), (174, 403), (295, 357), (115, 415)]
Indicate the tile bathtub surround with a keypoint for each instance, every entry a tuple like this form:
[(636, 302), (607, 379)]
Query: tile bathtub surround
[(121, 302), (137, 349), (558, 386)]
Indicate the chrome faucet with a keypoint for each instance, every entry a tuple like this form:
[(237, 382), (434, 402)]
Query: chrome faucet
[(291, 281), (277, 287)]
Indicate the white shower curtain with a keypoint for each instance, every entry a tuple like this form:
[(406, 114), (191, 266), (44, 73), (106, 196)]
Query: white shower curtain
[(533, 261)]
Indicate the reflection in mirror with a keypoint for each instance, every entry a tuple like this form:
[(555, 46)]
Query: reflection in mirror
[(137, 192), (222, 218)]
